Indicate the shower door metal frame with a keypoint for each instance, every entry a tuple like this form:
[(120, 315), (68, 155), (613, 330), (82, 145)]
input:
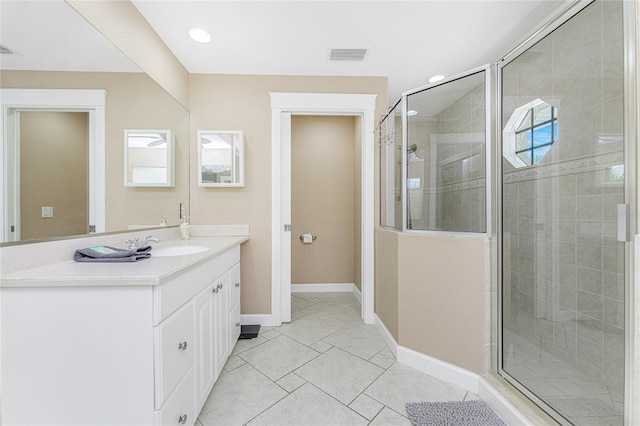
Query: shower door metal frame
[(630, 187)]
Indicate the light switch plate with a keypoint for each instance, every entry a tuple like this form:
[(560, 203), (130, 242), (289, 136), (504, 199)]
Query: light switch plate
[(47, 211)]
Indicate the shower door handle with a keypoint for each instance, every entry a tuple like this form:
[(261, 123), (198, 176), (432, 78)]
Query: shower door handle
[(624, 222)]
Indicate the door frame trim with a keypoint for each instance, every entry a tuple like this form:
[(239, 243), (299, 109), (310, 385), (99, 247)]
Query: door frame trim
[(91, 101), (283, 105)]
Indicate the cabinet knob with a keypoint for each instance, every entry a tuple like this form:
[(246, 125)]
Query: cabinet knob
[(182, 346), (215, 290), (182, 419), (237, 284), (237, 324), (220, 286)]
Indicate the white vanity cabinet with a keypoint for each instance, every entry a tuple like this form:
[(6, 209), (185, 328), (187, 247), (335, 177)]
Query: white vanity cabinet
[(212, 331), (234, 305), (119, 353)]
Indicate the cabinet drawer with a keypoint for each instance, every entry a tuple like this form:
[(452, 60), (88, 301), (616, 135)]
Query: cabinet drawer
[(174, 349), (234, 285), (179, 408), (177, 291), (234, 326)]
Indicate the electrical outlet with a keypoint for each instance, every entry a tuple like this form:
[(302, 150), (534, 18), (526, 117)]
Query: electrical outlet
[(47, 211)]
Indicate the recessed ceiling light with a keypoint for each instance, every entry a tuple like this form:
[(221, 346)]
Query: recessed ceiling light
[(412, 112), (200, 35), (436, 78)]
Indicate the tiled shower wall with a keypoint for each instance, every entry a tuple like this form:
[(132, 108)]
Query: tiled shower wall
[(450, 161), (461, 163), (563, 266)]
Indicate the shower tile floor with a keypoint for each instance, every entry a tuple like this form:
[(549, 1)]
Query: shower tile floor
[(325, 368), (582, 399)]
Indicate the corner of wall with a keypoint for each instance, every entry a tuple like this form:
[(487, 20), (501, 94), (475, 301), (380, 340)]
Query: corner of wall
[(120, 22)]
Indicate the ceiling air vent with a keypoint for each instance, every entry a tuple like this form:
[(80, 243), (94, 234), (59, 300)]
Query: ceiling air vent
[(6, 51), (348, 54)]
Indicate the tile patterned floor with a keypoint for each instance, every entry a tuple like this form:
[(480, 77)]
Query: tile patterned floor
[(325, 368)]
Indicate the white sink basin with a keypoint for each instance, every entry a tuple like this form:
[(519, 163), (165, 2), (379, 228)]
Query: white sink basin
[(177, 251)]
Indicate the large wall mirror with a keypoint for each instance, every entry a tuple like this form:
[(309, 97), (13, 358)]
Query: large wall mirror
[(48, 45)]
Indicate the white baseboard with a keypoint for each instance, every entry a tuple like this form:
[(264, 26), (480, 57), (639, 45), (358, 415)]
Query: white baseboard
[(505, 409), (386, 335), (357, 294), (439, 369), (322, 288), (262, 319), (454, 374)]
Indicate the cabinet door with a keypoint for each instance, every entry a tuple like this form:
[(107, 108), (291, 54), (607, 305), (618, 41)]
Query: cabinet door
[(178, 409), (221, 327), (205, 359), (234, 326), (234, 283), (174, 351)]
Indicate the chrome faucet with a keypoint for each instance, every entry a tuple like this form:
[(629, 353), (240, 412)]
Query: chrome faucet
[(139, 243)]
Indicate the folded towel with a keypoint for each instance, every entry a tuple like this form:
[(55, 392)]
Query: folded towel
[(111, 254)]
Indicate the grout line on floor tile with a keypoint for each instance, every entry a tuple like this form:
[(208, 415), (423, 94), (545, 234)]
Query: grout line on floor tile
[(380, 402), (338, 401), (268, 408)]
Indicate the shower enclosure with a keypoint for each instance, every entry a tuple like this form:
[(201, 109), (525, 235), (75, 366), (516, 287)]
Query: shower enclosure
[(563, 171), (564, 246), (443, 157)]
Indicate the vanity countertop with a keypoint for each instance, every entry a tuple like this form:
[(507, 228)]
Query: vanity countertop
[(147, 272)]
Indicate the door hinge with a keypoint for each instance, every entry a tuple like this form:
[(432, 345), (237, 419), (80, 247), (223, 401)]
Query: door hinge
[(287, 228)]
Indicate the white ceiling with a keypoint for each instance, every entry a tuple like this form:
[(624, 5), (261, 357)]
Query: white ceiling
[(51, 36), (408, 41)]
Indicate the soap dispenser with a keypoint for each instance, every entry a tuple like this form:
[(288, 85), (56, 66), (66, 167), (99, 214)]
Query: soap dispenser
[(185, 228)]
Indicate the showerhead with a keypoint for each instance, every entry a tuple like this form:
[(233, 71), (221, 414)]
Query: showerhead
[(412, 148)]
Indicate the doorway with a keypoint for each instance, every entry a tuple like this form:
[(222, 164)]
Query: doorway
[(283, 106), (18, 101), (324, 192), (54, 200)]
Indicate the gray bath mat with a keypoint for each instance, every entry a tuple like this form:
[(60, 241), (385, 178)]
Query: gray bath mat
[(452, 413)]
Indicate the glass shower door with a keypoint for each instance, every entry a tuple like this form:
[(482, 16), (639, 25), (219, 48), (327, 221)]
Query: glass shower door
[(563, 177)]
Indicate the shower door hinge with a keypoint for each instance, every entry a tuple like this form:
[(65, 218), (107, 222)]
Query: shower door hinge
[(287, 228), (624, 222)]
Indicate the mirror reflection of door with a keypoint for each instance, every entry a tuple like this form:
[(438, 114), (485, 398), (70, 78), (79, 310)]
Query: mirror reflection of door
[(54, 200)]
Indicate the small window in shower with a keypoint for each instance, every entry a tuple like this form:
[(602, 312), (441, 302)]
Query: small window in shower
[(530, 132)]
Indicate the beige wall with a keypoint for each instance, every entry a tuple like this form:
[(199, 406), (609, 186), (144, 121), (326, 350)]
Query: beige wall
[(441, 297), (125, 27), (134, 101), (322, 199), (386, 279), (47, 136), (242, 102)]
